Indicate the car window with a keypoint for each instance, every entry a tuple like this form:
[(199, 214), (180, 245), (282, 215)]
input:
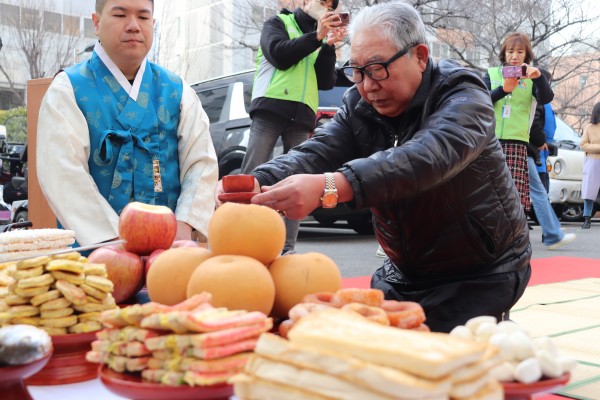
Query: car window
[(331, 98), (213, 101), (564, 133), (247, 95)]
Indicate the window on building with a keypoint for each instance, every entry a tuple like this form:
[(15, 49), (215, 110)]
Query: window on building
[(216, 32), (582, 81), (9, 15), (435, 49), (52, 22), (30, 18), (88, 28), (71, 25)]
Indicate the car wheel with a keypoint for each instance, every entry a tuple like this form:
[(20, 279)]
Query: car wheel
[(21, 216), (570, 212), (362, 226), (325, 220)]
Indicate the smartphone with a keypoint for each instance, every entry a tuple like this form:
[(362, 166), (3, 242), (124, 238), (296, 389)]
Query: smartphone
[(344, 18), (514, 71)]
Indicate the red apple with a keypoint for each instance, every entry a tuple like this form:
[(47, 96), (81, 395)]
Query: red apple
[(150, 259), (147, 227), (184, 243), (125, 270)]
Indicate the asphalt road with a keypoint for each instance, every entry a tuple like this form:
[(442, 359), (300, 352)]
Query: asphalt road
[(355, 254)]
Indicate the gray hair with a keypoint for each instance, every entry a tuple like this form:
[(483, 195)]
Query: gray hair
[(399, 23)]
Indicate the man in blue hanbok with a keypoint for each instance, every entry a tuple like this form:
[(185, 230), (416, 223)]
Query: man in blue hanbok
[(117, 128)]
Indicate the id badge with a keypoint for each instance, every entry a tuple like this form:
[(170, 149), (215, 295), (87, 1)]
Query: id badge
[(506, 111)]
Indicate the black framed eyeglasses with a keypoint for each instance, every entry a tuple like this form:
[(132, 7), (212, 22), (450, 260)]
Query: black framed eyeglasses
[(377, 71)]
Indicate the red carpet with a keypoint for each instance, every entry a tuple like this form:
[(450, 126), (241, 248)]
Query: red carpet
[(544, 270)]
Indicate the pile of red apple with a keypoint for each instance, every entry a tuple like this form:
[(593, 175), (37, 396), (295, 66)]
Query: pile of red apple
[(148, 230)]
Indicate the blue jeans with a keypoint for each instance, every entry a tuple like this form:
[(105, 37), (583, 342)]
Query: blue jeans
[(542, 207), (264, 131), (588, 207)]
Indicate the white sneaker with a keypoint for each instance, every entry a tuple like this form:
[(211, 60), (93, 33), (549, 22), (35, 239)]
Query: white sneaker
[(380, 252), (568, 238)]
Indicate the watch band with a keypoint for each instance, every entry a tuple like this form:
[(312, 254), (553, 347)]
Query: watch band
[(330, 196), (329, 182)]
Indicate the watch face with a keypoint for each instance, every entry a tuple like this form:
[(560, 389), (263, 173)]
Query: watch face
[(329, 200)]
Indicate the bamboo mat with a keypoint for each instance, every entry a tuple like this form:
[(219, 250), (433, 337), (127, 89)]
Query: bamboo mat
[(568, 312)]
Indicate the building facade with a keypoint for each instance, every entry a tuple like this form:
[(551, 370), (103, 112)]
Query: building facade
[(39, 37)]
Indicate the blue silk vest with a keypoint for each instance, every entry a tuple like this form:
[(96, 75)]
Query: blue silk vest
[(133, 144)]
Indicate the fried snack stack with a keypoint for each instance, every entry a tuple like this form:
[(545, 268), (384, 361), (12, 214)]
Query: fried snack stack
[(337, 354), (5, 281), (33, 242), (190, 343), (60, 294), (369, 303)]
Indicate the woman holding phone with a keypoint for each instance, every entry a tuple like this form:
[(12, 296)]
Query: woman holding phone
[(515, 98)]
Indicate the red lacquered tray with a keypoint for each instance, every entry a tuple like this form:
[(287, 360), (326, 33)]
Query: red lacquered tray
[(522, 391), (68, 363), (131, 386), (237, 197), (12, 386)]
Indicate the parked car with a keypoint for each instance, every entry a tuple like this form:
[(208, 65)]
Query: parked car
[(565, 175), (20, 211), (226, 101)]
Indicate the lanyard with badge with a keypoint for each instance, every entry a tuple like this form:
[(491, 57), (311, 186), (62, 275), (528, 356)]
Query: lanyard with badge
[(506, 107)]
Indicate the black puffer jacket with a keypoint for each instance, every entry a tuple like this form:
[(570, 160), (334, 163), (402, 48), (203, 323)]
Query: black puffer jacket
[(443, 201)]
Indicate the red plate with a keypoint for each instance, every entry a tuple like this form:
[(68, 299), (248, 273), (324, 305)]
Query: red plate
[(518, 391), (11, 378), (131, 386), (238, 197), (68, 363)]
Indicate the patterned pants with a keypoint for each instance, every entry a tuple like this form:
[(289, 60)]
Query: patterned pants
[(516, 159)]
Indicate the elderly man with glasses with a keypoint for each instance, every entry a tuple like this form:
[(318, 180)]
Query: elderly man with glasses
[(414, 141)]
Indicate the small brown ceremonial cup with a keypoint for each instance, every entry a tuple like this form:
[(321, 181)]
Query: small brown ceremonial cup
[(238, 183)]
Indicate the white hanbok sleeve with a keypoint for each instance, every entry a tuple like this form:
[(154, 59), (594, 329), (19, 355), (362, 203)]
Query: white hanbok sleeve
[(198, 168), (63, 147)]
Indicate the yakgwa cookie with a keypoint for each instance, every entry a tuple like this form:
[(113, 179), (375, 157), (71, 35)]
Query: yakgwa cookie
[(75, 256), (71, 292), (31, 291), (61, 302), (75, 267), (36, 281), (84, 327), (74, 278), (57, 313), (62, 322), (27, 273), (45, 297), (33, 262)]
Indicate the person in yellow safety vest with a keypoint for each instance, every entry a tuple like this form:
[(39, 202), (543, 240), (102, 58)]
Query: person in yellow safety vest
[(296, 58), (515, 99)]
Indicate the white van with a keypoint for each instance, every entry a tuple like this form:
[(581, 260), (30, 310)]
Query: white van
[(2, 133)]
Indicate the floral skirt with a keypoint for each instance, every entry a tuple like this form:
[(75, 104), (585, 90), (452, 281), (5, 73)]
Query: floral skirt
[(516, 159)]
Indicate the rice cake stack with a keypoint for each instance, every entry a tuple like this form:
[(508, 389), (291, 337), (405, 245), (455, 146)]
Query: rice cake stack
[(24, 243), (122, 349), (198, 346), (336, 354), (60, 294)]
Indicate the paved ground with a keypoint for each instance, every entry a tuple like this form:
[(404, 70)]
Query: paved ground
[(355, 254)]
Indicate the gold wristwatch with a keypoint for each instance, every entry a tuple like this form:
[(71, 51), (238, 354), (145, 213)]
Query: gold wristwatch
[(330, 196)]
